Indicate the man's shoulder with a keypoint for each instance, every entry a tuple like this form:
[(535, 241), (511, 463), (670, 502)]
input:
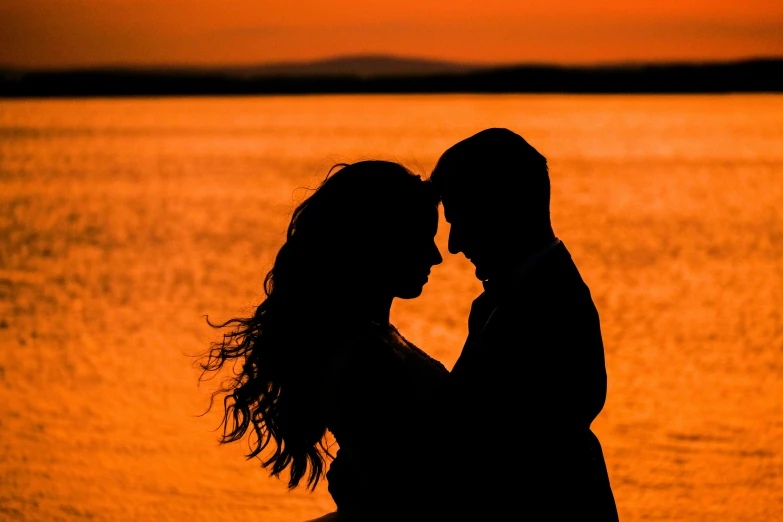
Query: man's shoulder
[(553, 293)]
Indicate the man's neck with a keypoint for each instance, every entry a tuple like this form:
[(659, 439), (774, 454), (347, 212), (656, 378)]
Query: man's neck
[(522, 250), (529, 248)]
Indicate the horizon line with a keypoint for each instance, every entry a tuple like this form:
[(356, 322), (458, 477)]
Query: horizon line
[(120, 66)]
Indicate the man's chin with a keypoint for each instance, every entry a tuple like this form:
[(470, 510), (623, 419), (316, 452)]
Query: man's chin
[(484, 272)]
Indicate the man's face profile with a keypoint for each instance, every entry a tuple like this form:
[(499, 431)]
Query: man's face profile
[(471, 228)]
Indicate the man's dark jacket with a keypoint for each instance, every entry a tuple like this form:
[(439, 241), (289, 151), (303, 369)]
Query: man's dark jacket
[(529, 382)]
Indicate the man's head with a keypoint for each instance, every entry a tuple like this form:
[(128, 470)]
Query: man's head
[(495, 192)]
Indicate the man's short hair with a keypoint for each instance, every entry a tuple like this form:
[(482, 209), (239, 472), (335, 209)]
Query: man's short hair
[(499, 165)]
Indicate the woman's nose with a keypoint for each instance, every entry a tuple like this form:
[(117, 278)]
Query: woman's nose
[(437, 258)]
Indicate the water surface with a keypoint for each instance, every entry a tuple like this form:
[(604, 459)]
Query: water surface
[(123, 222)]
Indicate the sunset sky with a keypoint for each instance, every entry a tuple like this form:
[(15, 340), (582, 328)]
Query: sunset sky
[(68, 33)]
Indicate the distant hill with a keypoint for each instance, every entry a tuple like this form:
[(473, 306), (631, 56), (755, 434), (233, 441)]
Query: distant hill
[(393, 75), (363, 66)]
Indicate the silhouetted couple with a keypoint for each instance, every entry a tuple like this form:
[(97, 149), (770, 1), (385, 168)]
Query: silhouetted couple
[(506, 434)]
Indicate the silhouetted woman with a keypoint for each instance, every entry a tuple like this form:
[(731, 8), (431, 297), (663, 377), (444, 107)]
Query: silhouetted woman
[(320, 354)]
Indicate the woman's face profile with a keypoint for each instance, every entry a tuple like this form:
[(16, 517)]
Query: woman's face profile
[(411, 253)]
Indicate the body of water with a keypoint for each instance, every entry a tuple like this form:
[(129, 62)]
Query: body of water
[(123, 222)]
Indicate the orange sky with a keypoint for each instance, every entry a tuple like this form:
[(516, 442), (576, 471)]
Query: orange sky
[(64, 33)]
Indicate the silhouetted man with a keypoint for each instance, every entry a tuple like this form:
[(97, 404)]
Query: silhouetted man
[(531, 377)]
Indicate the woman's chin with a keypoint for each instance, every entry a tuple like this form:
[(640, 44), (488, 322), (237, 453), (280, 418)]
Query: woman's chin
[(411, 292)]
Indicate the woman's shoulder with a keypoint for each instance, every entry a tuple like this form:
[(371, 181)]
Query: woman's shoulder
[(376, 351), (360, 354), (365, 344)]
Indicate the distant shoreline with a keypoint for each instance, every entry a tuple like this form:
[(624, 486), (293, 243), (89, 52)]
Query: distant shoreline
[(748, 76)]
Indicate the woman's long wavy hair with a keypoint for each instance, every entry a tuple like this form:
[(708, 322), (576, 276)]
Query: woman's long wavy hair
[(279, 355)]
